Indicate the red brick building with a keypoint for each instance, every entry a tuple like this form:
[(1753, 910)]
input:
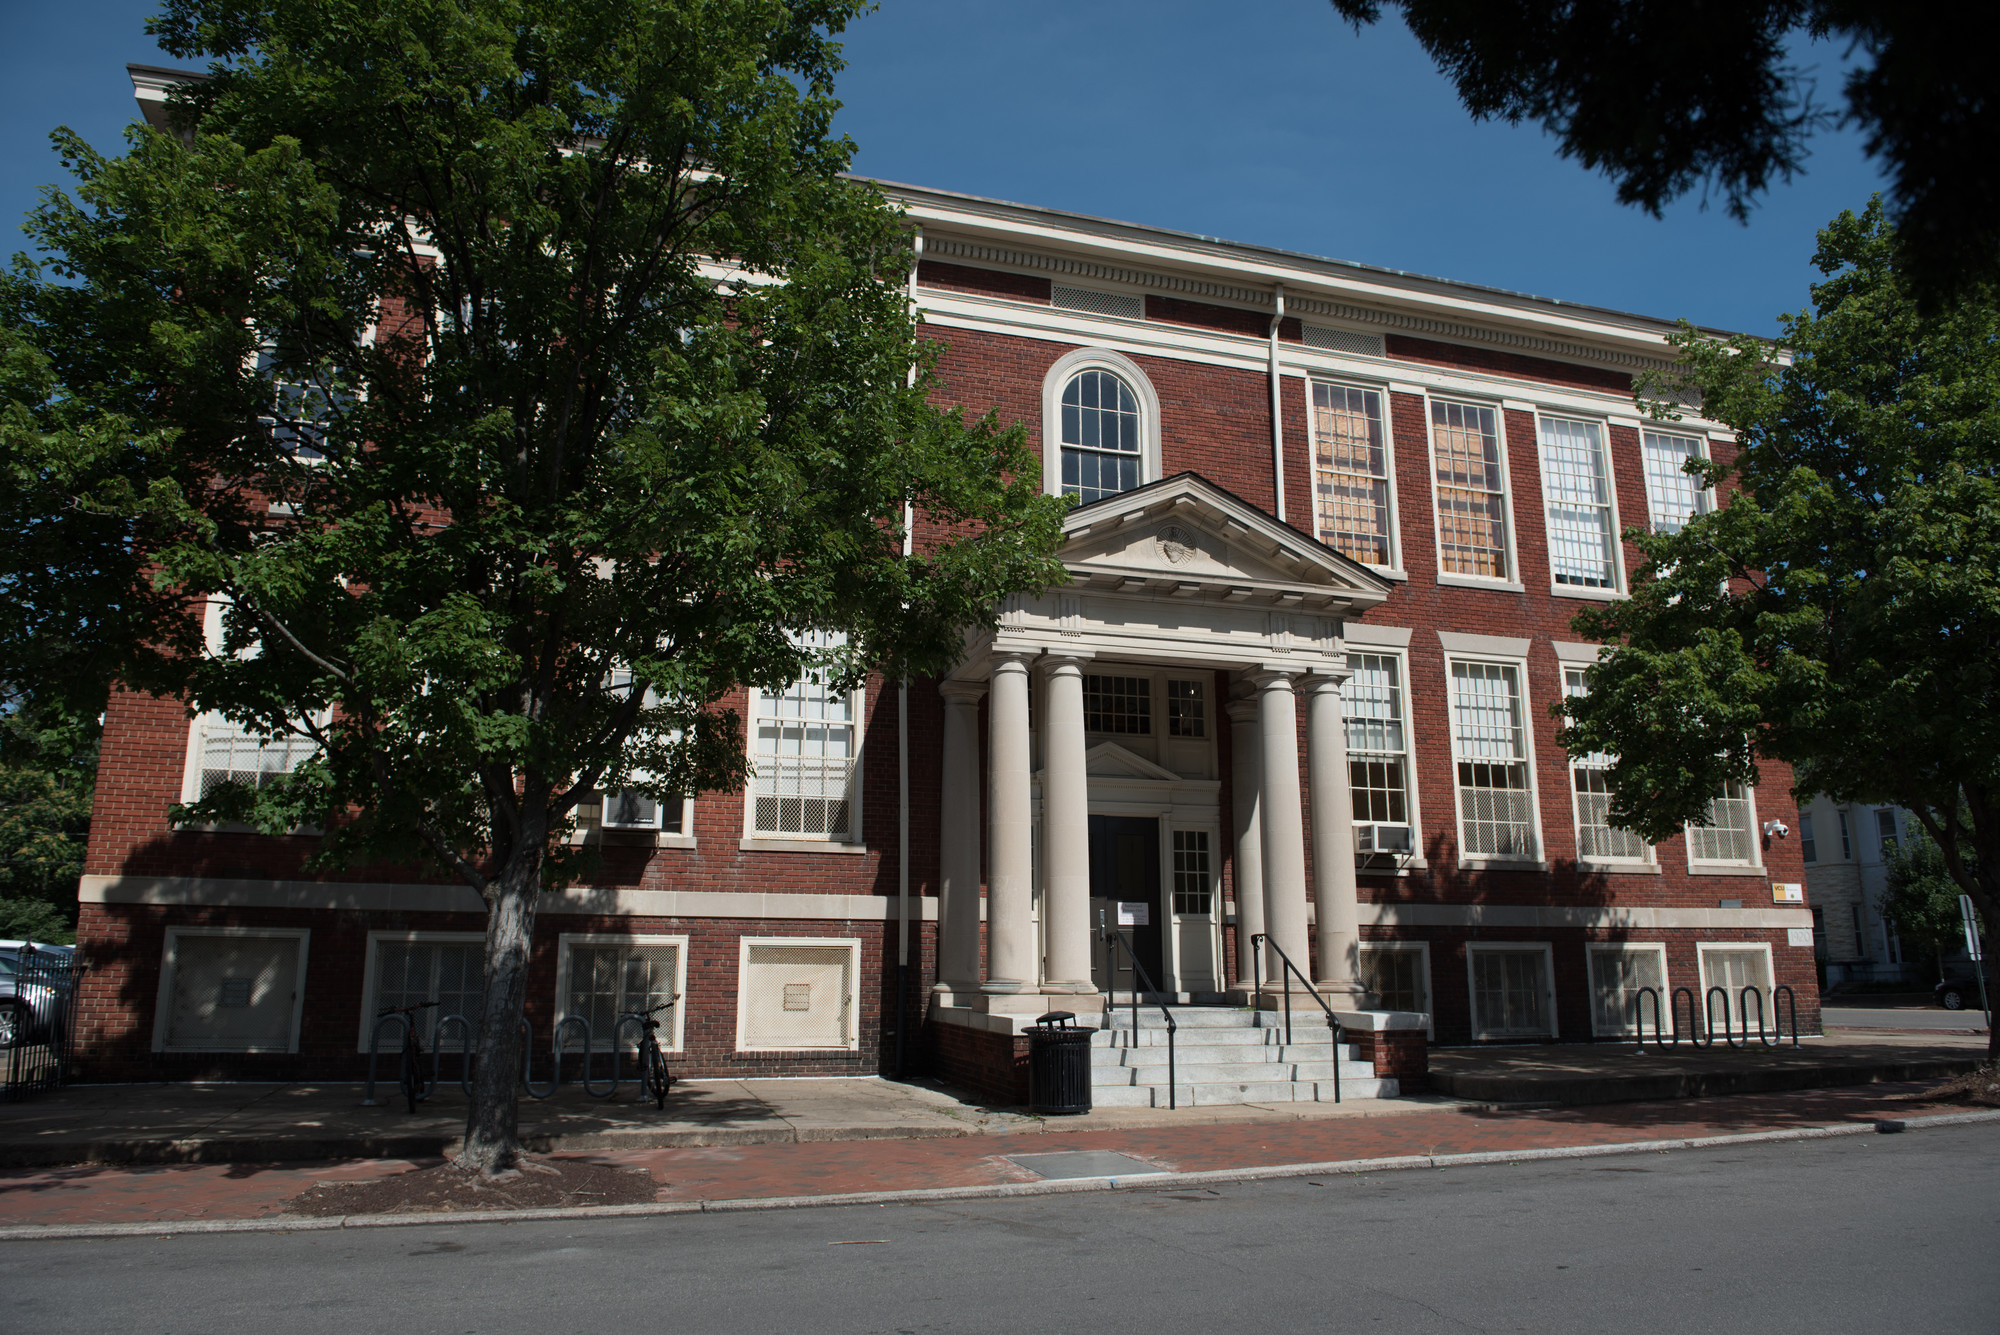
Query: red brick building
[(1333, 523)]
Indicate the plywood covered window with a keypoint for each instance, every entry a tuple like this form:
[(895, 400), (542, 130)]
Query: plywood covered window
[(1351, 472), (231, 991), (1471, 491), (797, 994)]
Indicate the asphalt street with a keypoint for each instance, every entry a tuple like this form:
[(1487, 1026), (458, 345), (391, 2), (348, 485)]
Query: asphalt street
[(1884, 1017), (1863, 1233)]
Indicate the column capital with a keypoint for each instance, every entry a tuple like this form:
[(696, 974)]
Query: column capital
[(1328, 679), (1002, 660), (1062, 661), (1271, 678), (1243, 709), (962, 692)]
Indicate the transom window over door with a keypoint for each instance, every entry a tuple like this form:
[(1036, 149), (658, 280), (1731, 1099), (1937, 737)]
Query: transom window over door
[(1576, 479), (1489, 743), (1471, 491), (1351, 472), (1102, 444)]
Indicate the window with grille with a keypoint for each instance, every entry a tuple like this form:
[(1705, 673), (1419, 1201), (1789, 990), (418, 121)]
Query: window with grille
[(1808, 846), (630, 808), (1730, 835), (1489, 743), (797, 994), (1471, 491), (409, 972), (1101, 436), (1351, 472), (1672, 496), (1576, 481), (1617, 973), (1590, 781), (1193, 889), (1187, 709), (232, 992), (1398, 975), (230, 753), (1510, 993), (604, 978), (1735, 969), (1118, 704), (806, 752), (303, 404), (1377, 753)]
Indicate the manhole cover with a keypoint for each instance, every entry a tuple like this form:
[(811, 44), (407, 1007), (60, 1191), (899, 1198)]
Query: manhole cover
[(1082, 1163)]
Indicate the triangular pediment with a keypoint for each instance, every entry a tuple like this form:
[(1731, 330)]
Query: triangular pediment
[(1186, 535), (1108, 760)]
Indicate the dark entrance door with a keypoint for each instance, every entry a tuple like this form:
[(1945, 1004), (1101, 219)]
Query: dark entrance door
[(1125, 870)]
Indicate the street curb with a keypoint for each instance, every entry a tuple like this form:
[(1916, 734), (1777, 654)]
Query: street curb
[(999, 1191)]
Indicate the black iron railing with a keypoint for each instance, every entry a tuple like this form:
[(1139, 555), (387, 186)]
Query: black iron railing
[(1116, 941), (1291, 971), (38, 1014)]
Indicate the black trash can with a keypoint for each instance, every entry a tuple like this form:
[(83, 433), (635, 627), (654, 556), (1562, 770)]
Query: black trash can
[(1058, 1064)]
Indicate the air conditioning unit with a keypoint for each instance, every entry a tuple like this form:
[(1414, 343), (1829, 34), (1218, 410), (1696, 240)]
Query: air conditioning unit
[(629, 810), (1382, 839)]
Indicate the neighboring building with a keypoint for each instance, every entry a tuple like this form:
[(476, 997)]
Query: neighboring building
[(1845, 848), (1333, 524)]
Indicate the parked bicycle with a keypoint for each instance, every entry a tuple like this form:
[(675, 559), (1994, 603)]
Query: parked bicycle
[(653, 1073), (412, 1075)]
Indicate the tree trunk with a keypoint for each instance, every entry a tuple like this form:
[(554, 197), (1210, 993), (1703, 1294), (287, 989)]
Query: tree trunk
[(492, 1123)]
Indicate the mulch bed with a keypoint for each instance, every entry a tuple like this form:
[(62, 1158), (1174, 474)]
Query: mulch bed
[(1981, 1087), (445, 1188)]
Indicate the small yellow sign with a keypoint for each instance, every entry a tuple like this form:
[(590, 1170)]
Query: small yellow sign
[(1787, 892)]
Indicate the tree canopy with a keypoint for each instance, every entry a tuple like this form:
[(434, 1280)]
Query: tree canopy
[(514, 380), (1663, 97), (1841, 612), (1922, 899)]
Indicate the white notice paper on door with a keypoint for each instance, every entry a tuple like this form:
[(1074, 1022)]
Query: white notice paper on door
[(1134, 915)]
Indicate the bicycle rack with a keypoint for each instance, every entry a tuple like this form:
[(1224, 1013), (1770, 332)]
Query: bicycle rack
[(375, 1053), (589, 1050), (1743, 1009), (617, 1027), (1792, 1000), (466, 1040), (1708, 1015), (1639, 1018), (1698, 1034)]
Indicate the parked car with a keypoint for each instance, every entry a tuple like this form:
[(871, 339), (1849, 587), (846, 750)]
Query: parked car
[(1957, 994), (34, 991)]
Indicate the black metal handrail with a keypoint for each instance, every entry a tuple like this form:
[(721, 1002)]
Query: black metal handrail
[(1113, 939), (1257, 944)]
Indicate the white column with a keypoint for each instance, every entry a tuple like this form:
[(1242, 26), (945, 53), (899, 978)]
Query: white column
[(1282, 816), (1246, 777), (1065, 833), (1339, 970), (959, 840), (1010, 927)]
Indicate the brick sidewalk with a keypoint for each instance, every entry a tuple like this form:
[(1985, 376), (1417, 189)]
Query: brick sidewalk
[(112, 1195)]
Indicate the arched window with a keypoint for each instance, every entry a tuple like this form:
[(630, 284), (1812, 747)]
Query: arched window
[(1102, 442)]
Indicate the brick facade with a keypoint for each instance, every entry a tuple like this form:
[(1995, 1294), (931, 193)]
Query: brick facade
[(1215, 420)]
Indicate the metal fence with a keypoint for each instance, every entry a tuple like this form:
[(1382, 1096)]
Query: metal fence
[(37, 1020)]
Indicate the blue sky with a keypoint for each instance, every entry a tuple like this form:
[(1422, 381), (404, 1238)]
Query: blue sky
[(1264, 121)]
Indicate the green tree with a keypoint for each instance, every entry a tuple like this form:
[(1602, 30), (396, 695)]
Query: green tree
[(1842, 611), (48, 770), (519, 378), (1922, 903), (1662, 97)]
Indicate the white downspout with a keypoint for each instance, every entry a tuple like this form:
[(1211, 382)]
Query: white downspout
[(903, 754), (1278, 405)]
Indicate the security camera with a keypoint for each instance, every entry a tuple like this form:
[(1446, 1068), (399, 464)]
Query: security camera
[(1776, 829)]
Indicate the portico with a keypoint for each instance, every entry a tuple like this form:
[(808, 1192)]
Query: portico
[(1103, 700)]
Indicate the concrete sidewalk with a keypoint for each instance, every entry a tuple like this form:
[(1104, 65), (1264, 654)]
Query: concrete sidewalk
[(95, 1200), (241, 1123)]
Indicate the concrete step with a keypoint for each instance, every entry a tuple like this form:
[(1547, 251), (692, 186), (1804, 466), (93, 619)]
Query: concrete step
[(1217, 1072), (1210, 1094), (1187, 1017), (1203, 1046)]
